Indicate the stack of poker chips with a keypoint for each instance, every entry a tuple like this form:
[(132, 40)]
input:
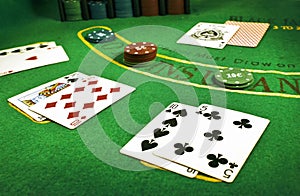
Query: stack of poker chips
[(162, 7), (136, 8), (149, 7), (100, 36), (110, 8), (175, 7), (187, 7), (139, 52), (97, 9), (72, 9), (123, 8), (233, 78)]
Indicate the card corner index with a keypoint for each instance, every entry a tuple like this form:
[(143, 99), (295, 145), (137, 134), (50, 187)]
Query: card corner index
[(174, 103), (204, 105)]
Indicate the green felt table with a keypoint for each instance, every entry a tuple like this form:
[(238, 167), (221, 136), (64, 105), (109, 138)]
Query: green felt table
[(48, 159)]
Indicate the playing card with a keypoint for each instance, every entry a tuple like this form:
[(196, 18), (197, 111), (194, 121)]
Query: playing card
[(249, 33), (220, 145), (159, 132), (26, 59), (209, 35), (74, 105), (23, 49), (9, 56), (199, 176), (26, 99)]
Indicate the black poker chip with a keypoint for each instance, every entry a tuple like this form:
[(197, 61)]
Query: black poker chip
[(97, 9), (123, 8), (100, 36)]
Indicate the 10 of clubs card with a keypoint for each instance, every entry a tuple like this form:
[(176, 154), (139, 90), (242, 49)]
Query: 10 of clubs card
[(220, 144), (209, 35), (159, 132)]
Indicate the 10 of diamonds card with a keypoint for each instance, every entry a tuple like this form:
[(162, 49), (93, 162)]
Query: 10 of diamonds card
[(220, 144), (31, 97), (84, 99)]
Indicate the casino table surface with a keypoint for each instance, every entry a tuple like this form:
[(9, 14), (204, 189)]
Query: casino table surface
[(49, 159)]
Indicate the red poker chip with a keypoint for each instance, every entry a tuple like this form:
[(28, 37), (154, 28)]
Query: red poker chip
[(139, 52)]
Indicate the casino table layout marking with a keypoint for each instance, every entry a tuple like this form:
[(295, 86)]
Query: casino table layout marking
[(101, 54)]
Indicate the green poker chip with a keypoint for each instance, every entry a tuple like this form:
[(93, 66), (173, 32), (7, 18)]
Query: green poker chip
[(73, 17), (234, 77), (233, 86), (240, 86), (100, 36), (73, 12), (71, 4)]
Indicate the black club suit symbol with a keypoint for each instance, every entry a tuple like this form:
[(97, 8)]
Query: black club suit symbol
[(199, 112), (182, 148), (233, 165), (215, 134), (243, 123), (216, 160), (212, 115)]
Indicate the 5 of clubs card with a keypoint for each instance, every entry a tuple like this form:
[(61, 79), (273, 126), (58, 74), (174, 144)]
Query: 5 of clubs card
[(220, 144)]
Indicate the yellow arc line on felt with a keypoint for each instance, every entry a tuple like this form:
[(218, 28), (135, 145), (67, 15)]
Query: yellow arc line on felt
[(89, 45)]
